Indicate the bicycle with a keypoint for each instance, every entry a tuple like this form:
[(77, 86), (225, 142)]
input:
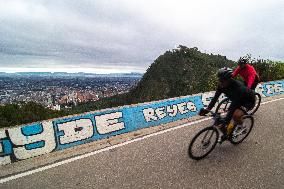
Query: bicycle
[(225, 103), (209, 136)]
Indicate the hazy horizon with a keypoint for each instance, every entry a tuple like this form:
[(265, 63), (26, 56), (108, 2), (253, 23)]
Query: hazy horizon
[(69, 72), (36, 70)]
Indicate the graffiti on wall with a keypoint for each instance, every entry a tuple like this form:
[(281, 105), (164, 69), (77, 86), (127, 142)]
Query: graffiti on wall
[(27, 141), (271, 88)]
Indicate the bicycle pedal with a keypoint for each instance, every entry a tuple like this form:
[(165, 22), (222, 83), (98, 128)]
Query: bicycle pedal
[(222, 139), (220, 142)]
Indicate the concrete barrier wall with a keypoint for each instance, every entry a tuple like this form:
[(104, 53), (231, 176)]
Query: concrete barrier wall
[(30, 140)]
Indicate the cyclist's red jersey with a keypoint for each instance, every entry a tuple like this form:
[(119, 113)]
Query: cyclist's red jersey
[(248, 74)]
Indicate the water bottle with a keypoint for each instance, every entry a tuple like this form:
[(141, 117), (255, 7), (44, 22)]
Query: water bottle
[(230, 127)]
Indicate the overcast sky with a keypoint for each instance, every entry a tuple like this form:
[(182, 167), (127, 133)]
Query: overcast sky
[(105, 36)]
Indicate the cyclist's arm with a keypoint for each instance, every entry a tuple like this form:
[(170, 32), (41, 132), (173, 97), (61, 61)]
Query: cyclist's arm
[(236, 72), (250, 80), (214, 99)]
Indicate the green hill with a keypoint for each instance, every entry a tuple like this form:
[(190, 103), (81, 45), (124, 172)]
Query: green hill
[(179, 72)]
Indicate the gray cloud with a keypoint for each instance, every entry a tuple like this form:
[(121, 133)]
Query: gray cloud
[(131, 34)]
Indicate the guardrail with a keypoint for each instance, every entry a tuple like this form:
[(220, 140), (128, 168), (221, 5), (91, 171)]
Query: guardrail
[(30, 140)]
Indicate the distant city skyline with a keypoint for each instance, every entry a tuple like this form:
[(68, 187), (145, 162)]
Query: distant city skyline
[(123, 36), (56, 91)]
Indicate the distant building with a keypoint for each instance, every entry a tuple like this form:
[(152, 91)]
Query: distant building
[(56, 107)]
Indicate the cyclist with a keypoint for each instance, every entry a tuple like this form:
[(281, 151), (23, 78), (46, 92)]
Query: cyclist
[(247, 72), (239, 95)]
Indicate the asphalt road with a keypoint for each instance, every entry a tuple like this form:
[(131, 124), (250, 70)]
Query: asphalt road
[(161, 161)]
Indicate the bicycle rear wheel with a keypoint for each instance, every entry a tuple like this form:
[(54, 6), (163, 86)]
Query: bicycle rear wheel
[(240, 132), (256, 105), (203, 143), (223, 106)]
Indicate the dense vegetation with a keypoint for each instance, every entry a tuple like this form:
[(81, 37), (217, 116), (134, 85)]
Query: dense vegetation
[(14, 114), (182, 71)]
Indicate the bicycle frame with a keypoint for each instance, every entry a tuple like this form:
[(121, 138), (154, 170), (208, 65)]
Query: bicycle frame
[(216, 117)]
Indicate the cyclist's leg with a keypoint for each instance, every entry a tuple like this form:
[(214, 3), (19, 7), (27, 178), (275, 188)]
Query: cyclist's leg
[(231, 113), (245, 83), (249, 102), (238, 116), (232, 108), (254, 84)]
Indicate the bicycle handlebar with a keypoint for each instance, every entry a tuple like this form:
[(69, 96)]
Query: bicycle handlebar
[(213, 114)]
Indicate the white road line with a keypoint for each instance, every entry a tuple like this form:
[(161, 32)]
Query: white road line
[(272, 101), (13, 177)]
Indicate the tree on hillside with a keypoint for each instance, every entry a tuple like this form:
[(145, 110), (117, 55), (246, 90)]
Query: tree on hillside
[(15, 114), (182, 71)]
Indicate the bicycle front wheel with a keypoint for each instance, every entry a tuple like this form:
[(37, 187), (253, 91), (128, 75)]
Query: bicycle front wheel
[(203, 143)]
